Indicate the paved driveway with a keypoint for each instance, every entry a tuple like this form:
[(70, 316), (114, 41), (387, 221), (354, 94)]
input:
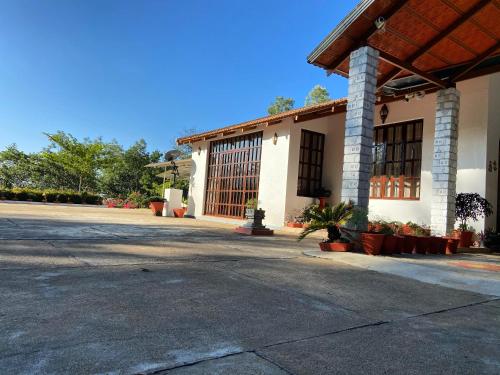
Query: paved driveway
[(93, 290)]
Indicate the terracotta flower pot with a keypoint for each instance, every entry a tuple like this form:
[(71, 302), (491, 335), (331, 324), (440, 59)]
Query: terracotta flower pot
[(335, 246), (179, 212), (322, 202), (372, 242), (390, 245), (156, 207), (451, 245), (465, 238), (294, 225), (434, 244), (408, 244), (422, 245), (400, 246)]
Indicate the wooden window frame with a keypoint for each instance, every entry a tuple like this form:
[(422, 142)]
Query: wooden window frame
[(389, 186), (306, 165), (233, 173)]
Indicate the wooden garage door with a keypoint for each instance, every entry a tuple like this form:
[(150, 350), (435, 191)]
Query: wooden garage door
[(233, 175)]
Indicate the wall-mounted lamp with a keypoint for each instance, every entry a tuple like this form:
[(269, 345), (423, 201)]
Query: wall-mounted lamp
[(492, 166), (199, 150), (384, 112), (420, 95), (275, 139), (380, 24)]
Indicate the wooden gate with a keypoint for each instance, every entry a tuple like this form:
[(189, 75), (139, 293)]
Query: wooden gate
[(233, 175)]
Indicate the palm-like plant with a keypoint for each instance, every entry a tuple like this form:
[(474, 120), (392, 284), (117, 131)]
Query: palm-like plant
[(331, 218)]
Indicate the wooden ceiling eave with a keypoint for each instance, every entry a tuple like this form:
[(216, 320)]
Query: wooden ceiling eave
[(434, 41), (478, 60), (364, 37), (408, 67)]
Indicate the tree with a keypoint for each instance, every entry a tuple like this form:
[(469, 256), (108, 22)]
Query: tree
[(185, 149), (15, 168), (280, 104), (80, 159), (318, 94), (128, 173)]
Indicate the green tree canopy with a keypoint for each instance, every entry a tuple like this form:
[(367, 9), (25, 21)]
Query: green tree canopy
[(15, 168), (280, 104), (185, 149), (81, 159), (318, 94), (128, 174)]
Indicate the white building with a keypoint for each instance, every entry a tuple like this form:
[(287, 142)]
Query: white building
[(422, 118)]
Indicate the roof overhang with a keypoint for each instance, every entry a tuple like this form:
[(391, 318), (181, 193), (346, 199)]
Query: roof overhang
[(298, 115), (424, 45)]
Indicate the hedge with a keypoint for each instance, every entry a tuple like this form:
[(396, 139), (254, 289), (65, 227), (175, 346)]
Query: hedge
[(54, 196)]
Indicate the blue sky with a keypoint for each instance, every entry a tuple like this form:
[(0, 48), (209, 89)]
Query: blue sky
[(148, 69)]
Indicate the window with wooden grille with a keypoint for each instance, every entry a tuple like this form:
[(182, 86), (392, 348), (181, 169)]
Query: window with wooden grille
[(310, 163), (397, 161), (233, 175)]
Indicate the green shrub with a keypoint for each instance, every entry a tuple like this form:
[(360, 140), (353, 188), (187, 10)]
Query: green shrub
[(6, 195), (62, 198), (21, 195), (74, 198), (50, 195), (35, 195), (89, 198)]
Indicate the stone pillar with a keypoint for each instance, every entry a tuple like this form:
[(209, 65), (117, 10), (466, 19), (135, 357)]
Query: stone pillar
[(444, 163), (358, 140)]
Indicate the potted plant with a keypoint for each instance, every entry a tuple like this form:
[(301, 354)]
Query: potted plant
[(322, 194), (156, 204), (333, 219), (391, 241), (422, 239), (373, 239), (470, 206), (295, 221), (179, 212), (302, 220), (491, 240), (398, 239)]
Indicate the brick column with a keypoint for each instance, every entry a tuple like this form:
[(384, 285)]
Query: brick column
[(358, 141), (444, 163)]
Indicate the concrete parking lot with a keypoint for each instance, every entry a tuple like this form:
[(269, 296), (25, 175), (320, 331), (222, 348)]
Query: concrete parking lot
[(107, 291)]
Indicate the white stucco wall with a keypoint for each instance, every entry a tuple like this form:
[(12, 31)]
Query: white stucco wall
[(273, 173), (333, 128), (418, 211), (197, 181), (474, 118), (479, 133)]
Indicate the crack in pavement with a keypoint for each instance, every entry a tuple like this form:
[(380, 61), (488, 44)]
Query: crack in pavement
[(349, 329), (257, 350)]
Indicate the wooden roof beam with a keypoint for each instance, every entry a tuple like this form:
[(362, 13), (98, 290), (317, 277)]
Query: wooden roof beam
[(478, 60), (363, 39), (439, 37), (406, 66)]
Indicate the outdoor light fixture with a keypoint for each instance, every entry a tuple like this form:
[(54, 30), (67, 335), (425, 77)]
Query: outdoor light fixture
[(409, 96), (199, 150), (384, 112), (380, 24), (420, 95), (275, 139)]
